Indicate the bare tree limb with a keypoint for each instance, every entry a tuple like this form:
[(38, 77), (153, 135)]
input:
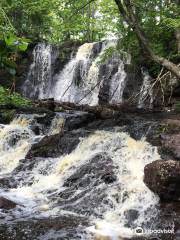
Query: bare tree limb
[(126, 9)]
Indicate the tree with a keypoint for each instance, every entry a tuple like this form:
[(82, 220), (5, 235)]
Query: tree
[(133, 22), (10, 45), (128, 11)]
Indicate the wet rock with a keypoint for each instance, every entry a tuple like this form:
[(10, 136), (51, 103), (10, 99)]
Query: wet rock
[(35, 129), (89, 183), (163, 178), (4, 182), (60, 228), (171, 143), (133, 82), (99, 169), (173, 124), (56, 145), (6, 203), (75, 120), (131, 215), (46, 103)]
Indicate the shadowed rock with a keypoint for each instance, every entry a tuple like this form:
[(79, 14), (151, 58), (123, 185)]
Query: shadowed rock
[(163, 178), (6, 203), (56, 145), (171, 142)]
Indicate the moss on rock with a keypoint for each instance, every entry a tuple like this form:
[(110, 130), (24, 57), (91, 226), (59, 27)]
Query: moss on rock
[(7, 115)]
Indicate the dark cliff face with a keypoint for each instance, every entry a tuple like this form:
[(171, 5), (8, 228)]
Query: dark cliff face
[(133, 81), (23, 62)]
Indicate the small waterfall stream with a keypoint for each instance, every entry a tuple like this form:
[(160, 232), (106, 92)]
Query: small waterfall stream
[(101, 180), (39, 79), (146, 91), (15, 141)]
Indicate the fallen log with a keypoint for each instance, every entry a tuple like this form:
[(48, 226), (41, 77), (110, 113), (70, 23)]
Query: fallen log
[(100, 111)]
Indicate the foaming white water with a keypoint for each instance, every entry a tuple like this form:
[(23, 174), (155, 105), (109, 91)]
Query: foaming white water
[(129, 193), (39, 191), (15, 141), (73, 82), (57, 125)]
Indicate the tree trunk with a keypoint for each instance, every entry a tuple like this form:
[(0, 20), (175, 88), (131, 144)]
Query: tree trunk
[(126, 9)]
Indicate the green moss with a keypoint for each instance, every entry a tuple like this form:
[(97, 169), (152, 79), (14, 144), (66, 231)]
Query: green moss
[(163, 128), (6, 115), (14, 99), (177, 107)]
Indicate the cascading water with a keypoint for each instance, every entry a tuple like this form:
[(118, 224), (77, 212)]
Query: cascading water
[(15, 141), (146, 91), (100, 180), (39, 80), (95, 75), (84, 78)]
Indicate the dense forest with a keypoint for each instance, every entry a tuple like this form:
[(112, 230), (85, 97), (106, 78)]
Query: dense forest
[(89, 119), (148, 30)]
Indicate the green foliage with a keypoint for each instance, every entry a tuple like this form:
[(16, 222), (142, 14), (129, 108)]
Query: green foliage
[(107, 54), (114, 50), (177, 107), (7, 115), (10, 45), (14, 99), (55, 21), (84, 20)]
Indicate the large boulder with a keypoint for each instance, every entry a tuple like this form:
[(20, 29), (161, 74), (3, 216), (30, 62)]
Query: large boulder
[(171, 143), (163, 178), (6, 203)]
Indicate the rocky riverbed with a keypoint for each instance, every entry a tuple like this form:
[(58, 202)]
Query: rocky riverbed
[(80, 173)]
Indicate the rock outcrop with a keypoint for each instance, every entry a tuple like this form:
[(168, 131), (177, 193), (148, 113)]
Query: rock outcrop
[(163, 178), (56, 145), (171, 143)]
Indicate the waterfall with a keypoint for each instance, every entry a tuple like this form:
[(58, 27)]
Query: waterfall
[(94, 75), (39, 79), (84, 76), (146, 91), (79, 183), (90, 77)]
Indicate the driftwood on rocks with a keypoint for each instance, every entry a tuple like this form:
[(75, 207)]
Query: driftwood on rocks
[(48, 103), (106, 111), (103, 111)]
